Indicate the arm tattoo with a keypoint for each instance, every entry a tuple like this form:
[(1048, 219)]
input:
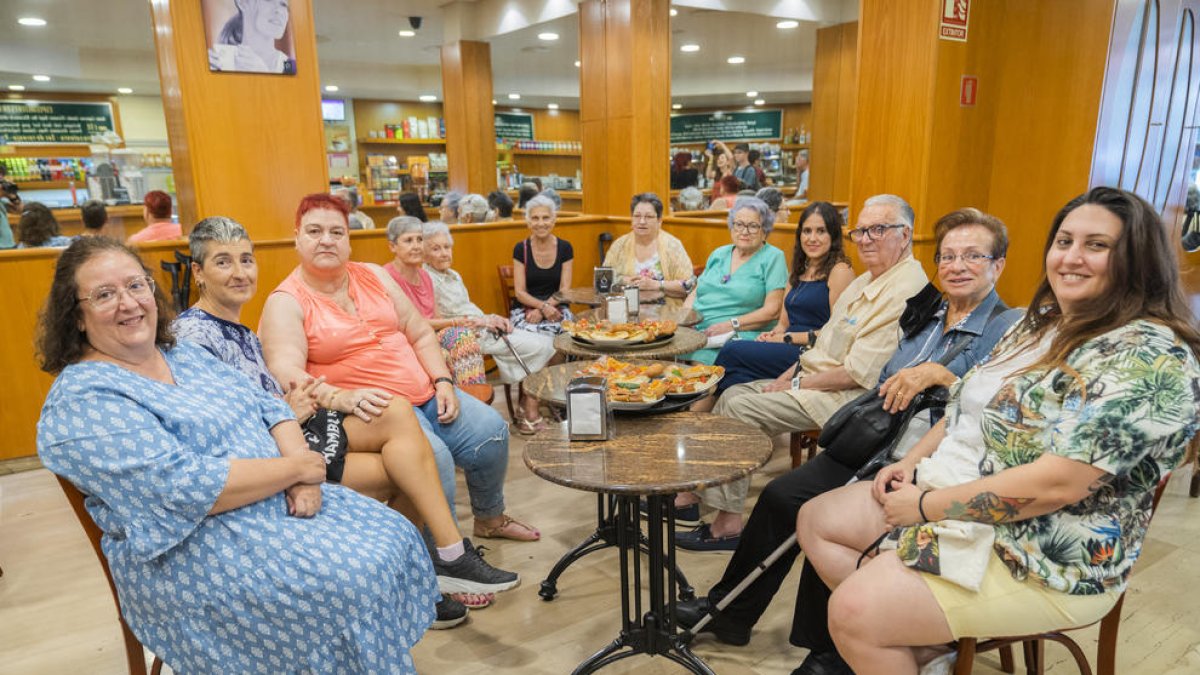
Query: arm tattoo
[(988, 507), (1100, 483)]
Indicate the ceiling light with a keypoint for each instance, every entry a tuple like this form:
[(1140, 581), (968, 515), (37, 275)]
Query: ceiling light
[(427, 98), (16, 87), (32, 21), (331, 88), (690, 47), (676, 106), (124, 90), (576, 64), (759, 101), (787, 24), (674, 12), (751, 94), (408, 33), (548, 37), (552, 106), (514, 97), (735, 60), (41, 78), (493, 101)]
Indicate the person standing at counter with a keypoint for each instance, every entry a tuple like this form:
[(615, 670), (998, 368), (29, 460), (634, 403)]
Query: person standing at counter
[(683, 175), (720, 164), (95, 218), (156, 211), (744, 171)]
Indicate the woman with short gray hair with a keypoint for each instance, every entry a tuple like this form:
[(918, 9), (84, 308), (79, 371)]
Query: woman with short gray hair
[(473, 209), (449, 207), (541, 268), (536, 350), (460, 346), (691, 199), (741, 290)]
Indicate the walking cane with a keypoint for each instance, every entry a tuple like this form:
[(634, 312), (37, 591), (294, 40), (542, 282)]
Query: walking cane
[(500, 334), (687, 635)]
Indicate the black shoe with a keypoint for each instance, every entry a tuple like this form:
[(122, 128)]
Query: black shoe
[(688, 613), (824, 663), (450, 613), (471, 574), (685, 516), (702, 539)]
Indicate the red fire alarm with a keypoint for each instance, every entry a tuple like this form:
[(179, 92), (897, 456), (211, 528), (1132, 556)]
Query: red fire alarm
[(969, 91)]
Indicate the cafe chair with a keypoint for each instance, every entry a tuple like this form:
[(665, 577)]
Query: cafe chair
[(135, 654), (508, 296), (181, 280), (802, 442), (1034, 645)]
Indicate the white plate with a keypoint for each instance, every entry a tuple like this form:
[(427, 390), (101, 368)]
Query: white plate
[(708, 384), (629, 405)]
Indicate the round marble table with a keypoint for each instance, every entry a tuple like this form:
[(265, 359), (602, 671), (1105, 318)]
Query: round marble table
[(654, 458), (582, 295), (685, 341), (684, 316)]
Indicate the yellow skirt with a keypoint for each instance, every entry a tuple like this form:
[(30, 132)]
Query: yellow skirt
[(1004, 606)]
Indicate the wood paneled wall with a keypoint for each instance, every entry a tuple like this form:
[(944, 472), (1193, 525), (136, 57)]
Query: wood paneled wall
[(832, 126), (238, 137), (373, 115), (470, 122)]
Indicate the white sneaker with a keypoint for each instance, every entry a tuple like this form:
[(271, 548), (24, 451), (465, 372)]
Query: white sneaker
[(942, 665)]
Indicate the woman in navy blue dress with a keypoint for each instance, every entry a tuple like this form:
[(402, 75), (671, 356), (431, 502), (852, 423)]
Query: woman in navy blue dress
[(820, 271)]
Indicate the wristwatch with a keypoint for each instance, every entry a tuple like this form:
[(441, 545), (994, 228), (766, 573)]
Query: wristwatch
[(787, 338), (796, 381), (736, 323)]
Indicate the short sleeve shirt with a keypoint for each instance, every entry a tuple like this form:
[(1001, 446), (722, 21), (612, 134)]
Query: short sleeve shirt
[(541, 282)]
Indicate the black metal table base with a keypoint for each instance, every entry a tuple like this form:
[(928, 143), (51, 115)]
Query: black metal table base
[(603, 537), (646, 628)]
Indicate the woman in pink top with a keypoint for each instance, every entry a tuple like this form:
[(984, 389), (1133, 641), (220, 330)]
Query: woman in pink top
[(156, 211), (351, 323), (460, 346)]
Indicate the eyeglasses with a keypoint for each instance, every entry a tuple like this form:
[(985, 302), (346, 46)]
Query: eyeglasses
[(872, 232), (969, 258), (641, 217), (139, 288), (749, 228)]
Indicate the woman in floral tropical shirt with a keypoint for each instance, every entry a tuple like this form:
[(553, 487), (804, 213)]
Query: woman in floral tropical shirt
[(1083, 408)]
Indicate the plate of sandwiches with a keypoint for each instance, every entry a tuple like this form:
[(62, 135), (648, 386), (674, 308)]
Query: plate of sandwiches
[(606, 334), (631, 386), (683, 380)]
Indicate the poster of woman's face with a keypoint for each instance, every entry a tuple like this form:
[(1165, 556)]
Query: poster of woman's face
[(249, 36)]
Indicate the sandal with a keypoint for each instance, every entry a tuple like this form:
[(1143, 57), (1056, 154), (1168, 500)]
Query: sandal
[(508, 528), (474, 600), (529, 427)]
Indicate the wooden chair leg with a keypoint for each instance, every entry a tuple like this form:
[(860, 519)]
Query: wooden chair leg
[(1106, 652), (508, 399), (135, 655), (796, 445), (966, 657), (1006, 659), (156, 667), (1035, 656)]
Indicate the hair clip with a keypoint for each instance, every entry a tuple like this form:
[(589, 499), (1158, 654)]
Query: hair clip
[(725, 279)]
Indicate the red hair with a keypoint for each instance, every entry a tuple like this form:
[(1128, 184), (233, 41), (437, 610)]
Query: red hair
[(730, 184), (158, 203), (322, 200)]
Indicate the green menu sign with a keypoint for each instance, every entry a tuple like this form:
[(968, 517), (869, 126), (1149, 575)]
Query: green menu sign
[(51, 122), (514, 126), (749, 125)]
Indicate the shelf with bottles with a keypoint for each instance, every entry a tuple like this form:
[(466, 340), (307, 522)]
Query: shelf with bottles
[(547, 148), (33, 173), (402, 141)]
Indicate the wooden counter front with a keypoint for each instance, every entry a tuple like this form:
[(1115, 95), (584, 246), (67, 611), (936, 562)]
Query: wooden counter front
[(123, 220)]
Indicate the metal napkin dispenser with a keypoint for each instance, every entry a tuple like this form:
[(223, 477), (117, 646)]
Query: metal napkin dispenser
[(588, 415)]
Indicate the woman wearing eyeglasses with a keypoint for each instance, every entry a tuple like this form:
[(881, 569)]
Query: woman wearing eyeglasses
[(649, 258), (740, 292)]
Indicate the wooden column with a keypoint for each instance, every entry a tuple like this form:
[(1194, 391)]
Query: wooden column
[(834, 73), (625, 98), (470, 118), (243, 145)]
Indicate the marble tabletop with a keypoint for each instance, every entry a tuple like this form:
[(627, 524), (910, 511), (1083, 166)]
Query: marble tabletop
[(667, 454), (549, 385), (683, 316), (582, 295), (685, 341)]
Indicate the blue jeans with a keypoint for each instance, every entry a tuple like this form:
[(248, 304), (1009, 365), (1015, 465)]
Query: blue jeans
[(477, 441)]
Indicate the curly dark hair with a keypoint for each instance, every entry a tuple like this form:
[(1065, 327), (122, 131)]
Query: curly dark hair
[(59, 340), (837, 251), (37, 225)]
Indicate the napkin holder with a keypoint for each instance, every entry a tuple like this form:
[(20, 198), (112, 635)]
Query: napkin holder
[(588, 416), (602, 279), (632, 300), (616, 309)]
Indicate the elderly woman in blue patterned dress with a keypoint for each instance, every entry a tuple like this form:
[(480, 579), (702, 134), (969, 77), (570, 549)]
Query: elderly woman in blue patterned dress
[(199, 478)]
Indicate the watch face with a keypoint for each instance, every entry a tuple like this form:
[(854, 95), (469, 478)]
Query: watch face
[(787, 338)]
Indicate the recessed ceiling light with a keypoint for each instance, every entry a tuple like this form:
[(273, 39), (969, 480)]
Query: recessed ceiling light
[(759, 101), (427, 98), (331, 88), (493, 101), (514, 97), (735, 60), (408, 33), (16, 87), (690, 47), (548, 37), (32, 21), (751, 94), (124, 90), (787, 24), (676, 106), (576, 64), (552, 106), (674, 12), (41, 78)]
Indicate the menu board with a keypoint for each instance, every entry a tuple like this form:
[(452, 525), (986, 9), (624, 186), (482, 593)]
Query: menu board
[(52, 122), (514, 126), (748, 125)]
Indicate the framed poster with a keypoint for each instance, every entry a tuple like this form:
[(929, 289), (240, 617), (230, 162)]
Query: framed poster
[(514, 126), (751, 125), (249, 36)]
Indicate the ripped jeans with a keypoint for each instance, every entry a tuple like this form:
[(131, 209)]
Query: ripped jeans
[(477, 441)]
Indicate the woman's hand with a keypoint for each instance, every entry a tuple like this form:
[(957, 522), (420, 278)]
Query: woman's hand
[(644, 283), (902, 472), (551, 312), (900, 389), (500, 323), (447, 402), (719, 329), (304, 501), (302, 398), (533, 316), (366, 404), (773, 335), (901, 506)]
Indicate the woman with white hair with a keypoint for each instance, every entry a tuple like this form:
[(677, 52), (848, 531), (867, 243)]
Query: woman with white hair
[(473, 208), (453, 300), (460, 347), (542, 266), (448, 211)]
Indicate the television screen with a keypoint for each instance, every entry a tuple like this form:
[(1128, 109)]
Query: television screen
[(333, 109)]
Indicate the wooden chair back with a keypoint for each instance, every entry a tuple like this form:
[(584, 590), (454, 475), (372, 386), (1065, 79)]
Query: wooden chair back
[(508, 290), (135, 655)]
